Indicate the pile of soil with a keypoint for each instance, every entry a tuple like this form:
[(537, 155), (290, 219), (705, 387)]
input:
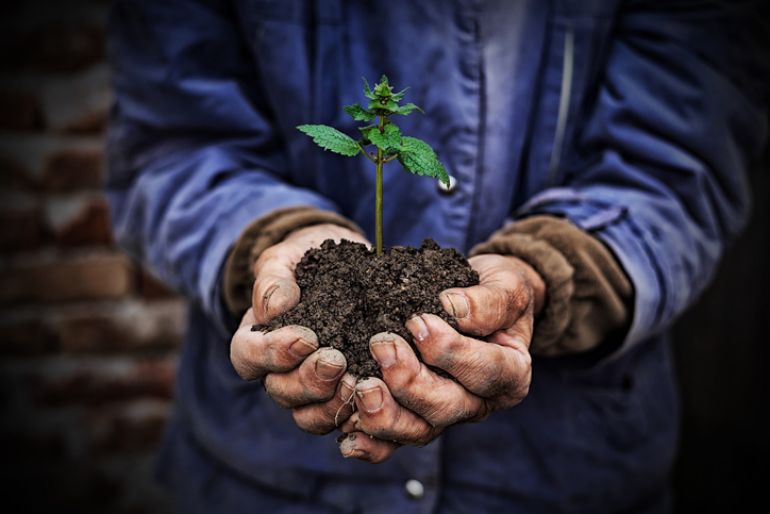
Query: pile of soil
[(349, 294)]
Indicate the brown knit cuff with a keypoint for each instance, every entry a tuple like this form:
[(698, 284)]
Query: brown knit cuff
[(588, 295), (260, 235)]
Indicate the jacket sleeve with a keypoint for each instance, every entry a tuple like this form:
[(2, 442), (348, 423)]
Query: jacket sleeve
[(192, 154), (658, 166)]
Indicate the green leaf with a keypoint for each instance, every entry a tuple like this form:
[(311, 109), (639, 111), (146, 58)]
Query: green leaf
[(383, 105), (400, 95), (406, 109), (383, 88), (331, 139), (358, 113), (418, 157), (368, 93), (387, 140), (365, 131)]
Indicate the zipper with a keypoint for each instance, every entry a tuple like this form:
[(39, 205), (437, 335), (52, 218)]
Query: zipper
[(564, 104)]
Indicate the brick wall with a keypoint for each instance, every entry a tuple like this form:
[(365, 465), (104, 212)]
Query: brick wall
[(88, 340)]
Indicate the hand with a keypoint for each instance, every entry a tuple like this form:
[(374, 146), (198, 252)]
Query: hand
[(296, 373), (412, 404)]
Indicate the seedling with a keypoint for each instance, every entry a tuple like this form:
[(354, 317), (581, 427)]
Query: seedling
[(415, 155)]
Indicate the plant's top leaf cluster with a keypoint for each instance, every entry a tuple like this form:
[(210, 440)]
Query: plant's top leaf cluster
[(415, 155), (383, 101)]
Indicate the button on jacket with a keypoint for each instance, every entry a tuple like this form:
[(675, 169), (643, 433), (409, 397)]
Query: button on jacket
[(634, 119)]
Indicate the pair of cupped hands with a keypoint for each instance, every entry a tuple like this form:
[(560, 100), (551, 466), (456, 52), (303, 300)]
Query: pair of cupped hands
[(411, 405)]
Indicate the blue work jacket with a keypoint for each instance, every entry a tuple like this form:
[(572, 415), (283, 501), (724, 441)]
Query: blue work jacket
[(634, 119)]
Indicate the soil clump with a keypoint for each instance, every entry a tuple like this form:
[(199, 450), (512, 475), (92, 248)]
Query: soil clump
[(349, 294)]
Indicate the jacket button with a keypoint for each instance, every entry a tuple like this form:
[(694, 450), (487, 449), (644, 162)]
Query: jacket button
[(447, 188), (414, 489)]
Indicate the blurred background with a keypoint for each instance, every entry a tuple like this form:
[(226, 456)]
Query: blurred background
[(88, 339)]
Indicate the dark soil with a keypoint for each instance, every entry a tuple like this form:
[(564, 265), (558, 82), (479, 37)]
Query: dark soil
[(349, 294)]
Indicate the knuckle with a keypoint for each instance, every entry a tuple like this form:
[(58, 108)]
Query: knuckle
[(244, 366), (277, 391), (312, 422), (462, 363), (448, 414), (442, 352), (427, 435), (268, 254), (519, 298)]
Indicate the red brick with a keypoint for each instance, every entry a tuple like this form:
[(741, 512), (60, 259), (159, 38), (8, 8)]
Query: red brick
[(20, 111), (148, 379), (72, 169), (58, 163), (128, 327), (105, 276), (79, 103), (81, 220), (129, 430)]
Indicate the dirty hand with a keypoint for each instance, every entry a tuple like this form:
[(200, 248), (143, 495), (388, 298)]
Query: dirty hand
[(296, 373), (412, 404)]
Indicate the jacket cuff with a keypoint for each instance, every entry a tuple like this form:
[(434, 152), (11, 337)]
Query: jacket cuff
[(260, 235), (588, 295)]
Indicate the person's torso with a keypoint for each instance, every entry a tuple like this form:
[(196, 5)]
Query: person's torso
[(502, 85), (501, 82)]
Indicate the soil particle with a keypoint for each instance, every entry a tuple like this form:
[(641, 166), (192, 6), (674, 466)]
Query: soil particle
[(349, 294)]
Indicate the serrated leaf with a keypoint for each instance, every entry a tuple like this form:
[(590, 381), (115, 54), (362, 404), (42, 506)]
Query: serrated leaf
[(365, 132), (368, 93), (383, 89), (406, 109), (417, 157), (387, 140), (358, 113), (331, 139), (400, 95)]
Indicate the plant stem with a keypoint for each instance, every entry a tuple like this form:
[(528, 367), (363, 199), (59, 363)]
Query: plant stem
[(378, 194)]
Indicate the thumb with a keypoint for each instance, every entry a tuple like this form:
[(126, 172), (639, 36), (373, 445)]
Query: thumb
[(273, 295)]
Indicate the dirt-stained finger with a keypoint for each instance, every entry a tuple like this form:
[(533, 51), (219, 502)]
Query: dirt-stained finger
[(349, 425), (358, 445), (384, 418), (439, 400), (314, 381), (487, 369), (255, 353), (481, 310), (273, 295), (324, 417)]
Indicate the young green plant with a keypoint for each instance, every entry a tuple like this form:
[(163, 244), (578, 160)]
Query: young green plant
[(415, 155)]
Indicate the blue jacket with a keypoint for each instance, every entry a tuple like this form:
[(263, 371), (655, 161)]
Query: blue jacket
[(635, 119)]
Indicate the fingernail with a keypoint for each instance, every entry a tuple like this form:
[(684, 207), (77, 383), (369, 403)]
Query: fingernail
[(327, 370), (266, 297), (418, 328), (301, 348), (384, 353), (347, 388), (456, 304), (348, 448), (371, 398)]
